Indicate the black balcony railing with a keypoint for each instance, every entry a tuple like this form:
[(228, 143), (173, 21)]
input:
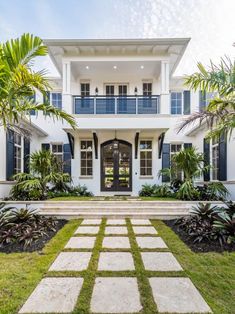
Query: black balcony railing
[(117, 104)]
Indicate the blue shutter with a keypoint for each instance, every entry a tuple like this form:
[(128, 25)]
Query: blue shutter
[(10, 161), (223, 158), (165, 160), (206, 151), (187, 102), (67, 159), (45, 146), (26, 154), (202, 100), (187, 145)]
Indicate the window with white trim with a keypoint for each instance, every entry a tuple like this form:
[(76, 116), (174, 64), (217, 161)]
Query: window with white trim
[(57, 150), (18, 158), (56, 100), (86, 158), (176, 102), (215, 159), (85, 89), (147, 89), (175, 148), (146, 156)]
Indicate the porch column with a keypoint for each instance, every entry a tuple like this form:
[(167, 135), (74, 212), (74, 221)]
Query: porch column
[(165, 96), (67, 100)]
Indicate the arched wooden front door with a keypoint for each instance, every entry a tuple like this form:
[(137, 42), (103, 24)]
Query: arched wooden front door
[(116, 166)]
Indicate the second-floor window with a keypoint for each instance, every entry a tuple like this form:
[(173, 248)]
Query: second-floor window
[(56, 100), (176, 102), (147, 89), (146, 158), (85, 89)]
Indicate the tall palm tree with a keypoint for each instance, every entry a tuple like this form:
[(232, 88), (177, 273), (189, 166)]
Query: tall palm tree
[(18, 81), (220, 112)]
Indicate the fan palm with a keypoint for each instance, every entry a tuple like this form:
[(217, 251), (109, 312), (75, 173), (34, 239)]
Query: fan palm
[(220, 112), (44, 171), (18, 81)]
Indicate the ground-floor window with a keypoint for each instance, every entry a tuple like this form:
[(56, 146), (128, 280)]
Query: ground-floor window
[(57, 150), (86, 158), (146, 158), (175, 148), (215, 159), (18, 157)]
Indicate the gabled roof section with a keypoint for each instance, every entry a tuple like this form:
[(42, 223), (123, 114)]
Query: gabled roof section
[(173, 48)]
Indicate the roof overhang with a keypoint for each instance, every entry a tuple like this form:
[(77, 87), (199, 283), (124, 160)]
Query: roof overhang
[(172, 48)]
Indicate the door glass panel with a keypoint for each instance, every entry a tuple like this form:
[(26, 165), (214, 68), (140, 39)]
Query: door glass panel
[(109, 182), (124, 182), (108, 160), (109, 90), (124, 160)]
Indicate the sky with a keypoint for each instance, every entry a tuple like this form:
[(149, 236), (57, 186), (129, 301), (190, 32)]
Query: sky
[(209, 23)]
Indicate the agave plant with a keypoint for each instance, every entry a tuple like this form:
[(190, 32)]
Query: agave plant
[(204, 211), (226, 225)]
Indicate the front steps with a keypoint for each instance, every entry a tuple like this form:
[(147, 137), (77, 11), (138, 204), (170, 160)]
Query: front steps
[(116, 209)]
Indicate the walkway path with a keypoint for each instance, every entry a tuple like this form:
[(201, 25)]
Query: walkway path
[(115, 266)]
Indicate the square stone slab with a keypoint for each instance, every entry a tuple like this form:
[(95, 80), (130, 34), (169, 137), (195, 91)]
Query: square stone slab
[(116, 222), (54, 295), (144, 230), (140, 222), (87, 230), (160, 261), (151, 243), (91, 222), (116, 230), (116, 243), (80, 243), (177, 295), (115, 295), (116, 261), (74, 261)]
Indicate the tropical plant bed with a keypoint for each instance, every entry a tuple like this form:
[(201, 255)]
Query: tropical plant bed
[(205, 246), (36, 245)]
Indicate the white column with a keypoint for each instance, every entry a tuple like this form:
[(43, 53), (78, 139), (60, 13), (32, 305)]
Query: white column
[(165, 97), (66, 77)]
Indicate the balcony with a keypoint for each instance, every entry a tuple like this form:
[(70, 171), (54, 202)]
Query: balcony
[(116, 105)]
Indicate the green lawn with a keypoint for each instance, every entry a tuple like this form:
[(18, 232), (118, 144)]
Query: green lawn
[(212, 273)]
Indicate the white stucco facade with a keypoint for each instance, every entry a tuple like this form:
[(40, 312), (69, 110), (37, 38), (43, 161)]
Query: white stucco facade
[(115, 113)]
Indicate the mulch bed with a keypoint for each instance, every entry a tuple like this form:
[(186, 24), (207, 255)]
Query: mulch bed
[(202, 247), (36, 246)]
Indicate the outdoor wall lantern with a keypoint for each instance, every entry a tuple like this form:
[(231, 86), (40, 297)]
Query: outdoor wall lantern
[(96, 91), (136, 91)]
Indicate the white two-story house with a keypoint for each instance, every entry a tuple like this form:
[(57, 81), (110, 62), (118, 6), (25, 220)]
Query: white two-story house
[(127, 104)]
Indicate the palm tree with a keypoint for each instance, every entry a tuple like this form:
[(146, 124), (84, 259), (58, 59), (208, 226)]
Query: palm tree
[(220, 112), (45, 172), (18, 81)]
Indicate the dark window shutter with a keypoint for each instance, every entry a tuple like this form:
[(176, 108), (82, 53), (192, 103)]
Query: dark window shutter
[(187, 102), (26, 154), (187, 145), (67, 159), (206, 151), (223, 158), (202, 100), (45, 146), (165, 160), (9, 154)]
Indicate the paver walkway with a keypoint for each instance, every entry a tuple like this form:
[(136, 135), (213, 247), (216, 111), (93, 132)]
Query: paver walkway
[(115, 266)]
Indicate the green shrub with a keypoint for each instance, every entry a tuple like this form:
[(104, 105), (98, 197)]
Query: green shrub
[(147, 190)]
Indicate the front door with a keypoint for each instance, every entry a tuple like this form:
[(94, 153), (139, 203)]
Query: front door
[(116, 166)]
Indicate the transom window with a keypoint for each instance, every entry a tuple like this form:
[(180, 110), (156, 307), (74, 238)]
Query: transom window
[(56, 100), (146, 158), (176, 102), (215, 159), (17, 153), (85, 89), (147, 89), (57, 150), (86, 158), (175, 148)]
